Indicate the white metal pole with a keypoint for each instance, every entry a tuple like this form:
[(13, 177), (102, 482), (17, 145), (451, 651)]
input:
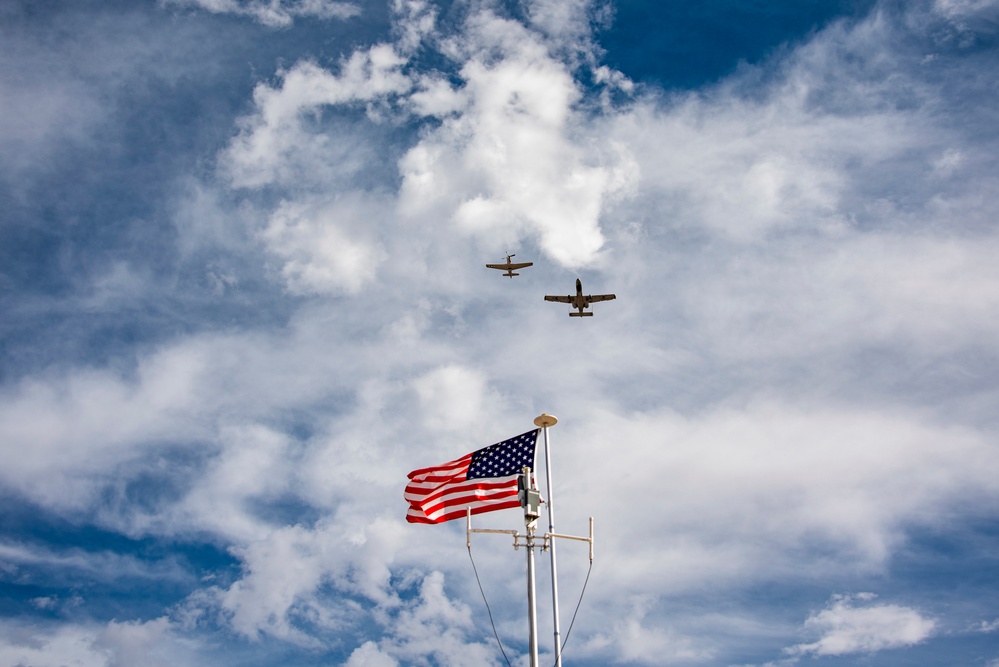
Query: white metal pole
[(544, 421), (532, 611)]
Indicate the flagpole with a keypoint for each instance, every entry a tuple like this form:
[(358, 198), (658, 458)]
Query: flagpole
[(530, 500), (532, 613), (545, 421)]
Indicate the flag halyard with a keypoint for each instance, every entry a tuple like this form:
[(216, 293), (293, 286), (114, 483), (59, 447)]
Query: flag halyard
[(483, 481)]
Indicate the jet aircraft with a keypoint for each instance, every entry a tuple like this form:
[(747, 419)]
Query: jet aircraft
[(510, 267), (579, 301)]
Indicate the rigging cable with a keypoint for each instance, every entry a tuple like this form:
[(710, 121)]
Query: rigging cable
[(489, 611), (576, 611), (565, 641)]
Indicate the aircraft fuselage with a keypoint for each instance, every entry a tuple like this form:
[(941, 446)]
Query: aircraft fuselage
[(579, 302)]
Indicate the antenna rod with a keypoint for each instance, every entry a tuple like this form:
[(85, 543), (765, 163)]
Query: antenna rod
[(544, 421)]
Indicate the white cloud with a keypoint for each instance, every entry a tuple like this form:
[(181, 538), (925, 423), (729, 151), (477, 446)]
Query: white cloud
[(140, 643), (508, 162), (567, 26), (265, 597), (369, 655), (324, 248), (325, 245), (987, 626), (70, 429), (504, 162), (836, 138), (117, 644), (957, 8), (63, 430), (435, 627), (277, 146), (65, 645), (277, 13), (738, 490), (451, 398), (848, 627), (744, 170), (921, 291), (42, 116), (414, 21), (255, 465), (436, 97), (63, 96), (104, 566), (634, 637), (273, 598)]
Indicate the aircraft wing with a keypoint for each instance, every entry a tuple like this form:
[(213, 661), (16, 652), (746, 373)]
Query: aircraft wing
[(560, 299), (599, 297), (511, 267)]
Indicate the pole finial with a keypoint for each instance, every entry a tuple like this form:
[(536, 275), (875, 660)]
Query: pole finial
[(545, 420)]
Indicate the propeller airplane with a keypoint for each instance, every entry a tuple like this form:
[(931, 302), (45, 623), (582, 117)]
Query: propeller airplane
[(579, 301), (510, 266)]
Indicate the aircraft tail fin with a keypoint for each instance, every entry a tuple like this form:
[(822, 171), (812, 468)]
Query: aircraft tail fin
[(583, 314)]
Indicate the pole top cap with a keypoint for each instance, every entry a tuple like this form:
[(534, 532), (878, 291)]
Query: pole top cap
[(545, 420)]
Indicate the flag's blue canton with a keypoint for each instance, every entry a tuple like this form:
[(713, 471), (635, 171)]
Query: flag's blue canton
[(504, 458)]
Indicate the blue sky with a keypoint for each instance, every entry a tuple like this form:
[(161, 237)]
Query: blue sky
[(243, 293)]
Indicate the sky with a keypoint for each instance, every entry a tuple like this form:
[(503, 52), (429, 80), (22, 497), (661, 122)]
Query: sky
[(243, 294)]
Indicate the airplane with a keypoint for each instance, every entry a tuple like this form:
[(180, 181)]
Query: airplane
[(510, 267), (579, 301)]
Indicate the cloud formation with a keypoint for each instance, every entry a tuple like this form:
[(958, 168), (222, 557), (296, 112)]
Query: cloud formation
[(277, 13), (509, 160), (117, 644), (277, 145), (847, 627)]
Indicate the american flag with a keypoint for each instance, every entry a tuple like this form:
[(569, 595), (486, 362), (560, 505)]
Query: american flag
[(484, 480)]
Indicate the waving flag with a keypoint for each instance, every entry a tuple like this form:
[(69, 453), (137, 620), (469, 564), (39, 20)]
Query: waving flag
[(484, 480)]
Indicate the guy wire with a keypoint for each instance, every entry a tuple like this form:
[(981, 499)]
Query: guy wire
[(489, 611), (579, 602), (582, 592)]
